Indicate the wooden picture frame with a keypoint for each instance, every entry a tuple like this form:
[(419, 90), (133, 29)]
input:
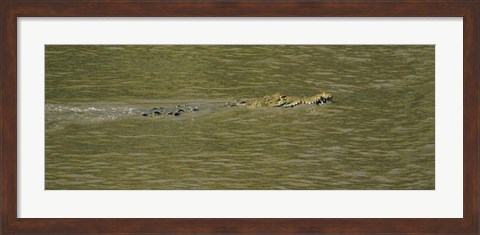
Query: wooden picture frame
[(468, 10)]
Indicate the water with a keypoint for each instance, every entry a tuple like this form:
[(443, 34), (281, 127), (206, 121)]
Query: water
[(379, 133)]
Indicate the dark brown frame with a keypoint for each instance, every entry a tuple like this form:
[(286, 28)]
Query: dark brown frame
[(11, 9)]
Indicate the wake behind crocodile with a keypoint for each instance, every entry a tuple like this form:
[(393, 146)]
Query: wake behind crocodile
[(59, 115)]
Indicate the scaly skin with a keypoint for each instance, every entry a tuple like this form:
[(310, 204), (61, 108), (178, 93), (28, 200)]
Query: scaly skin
[(279, 100), (275, 100)]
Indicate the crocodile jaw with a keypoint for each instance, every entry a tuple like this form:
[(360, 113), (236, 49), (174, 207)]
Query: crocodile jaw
[(321, 98), (320, 101)]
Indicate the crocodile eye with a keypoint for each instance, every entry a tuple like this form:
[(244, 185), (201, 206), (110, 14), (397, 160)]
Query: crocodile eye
[(283, 97)]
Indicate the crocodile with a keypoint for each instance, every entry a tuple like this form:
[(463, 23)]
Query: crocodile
[(279, 100), (276, 100)]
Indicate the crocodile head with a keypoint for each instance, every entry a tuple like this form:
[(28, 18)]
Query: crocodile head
[(286, 101), (319, 98)]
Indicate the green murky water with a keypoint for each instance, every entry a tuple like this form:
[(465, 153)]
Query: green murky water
[(378, 133)]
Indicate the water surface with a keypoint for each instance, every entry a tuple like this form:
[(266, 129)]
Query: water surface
[(377, 134)]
